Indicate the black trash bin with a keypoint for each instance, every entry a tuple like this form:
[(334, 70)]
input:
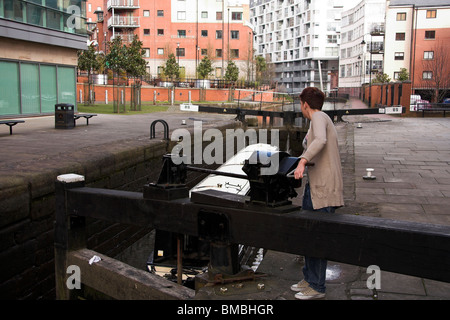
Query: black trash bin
[(64, 116)]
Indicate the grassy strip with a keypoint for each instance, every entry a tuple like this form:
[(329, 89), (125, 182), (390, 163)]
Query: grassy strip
[(109, 109)]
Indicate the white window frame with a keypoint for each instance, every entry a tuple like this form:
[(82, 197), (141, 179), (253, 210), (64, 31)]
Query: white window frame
[(181, 15)]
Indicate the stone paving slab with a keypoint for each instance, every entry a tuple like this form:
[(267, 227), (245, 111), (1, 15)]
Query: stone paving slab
[(411, 158)]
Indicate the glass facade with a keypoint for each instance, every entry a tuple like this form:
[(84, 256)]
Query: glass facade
[(62, 15), (35, 88), (9, 88), (48, 88)]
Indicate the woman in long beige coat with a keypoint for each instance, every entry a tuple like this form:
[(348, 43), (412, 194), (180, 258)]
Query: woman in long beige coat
[(324, 189)]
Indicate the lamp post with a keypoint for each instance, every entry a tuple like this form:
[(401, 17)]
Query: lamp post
[(98, 42), (370, 73), (359, 66), (196, 64), (104, 70), (104, 40), (363, 42), (363, 67), (228, 24)]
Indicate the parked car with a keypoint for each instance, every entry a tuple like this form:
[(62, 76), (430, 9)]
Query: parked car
[(446, 100), (423, 104), (413, 99), (416, 102)]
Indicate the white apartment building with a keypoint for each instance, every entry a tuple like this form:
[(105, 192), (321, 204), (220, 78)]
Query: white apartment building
[(362, 45), (398, 39), (301, 38)]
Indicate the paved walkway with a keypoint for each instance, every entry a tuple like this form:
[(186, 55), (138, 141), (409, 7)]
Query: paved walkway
[(38, 139), (410, 158), (411, 162)]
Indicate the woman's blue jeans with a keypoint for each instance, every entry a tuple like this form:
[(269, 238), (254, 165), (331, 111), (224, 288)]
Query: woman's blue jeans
[(315, 269)]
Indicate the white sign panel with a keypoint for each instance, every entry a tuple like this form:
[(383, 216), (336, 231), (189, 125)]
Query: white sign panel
[(188, 107), (393, 110)]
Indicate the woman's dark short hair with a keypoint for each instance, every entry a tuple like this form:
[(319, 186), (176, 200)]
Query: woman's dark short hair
[(314, 96)]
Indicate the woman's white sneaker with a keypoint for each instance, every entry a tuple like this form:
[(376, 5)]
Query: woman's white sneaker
[(300, 286), (309, 294)]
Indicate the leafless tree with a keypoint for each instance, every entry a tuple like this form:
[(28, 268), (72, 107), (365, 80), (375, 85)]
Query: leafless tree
[(437, 71)]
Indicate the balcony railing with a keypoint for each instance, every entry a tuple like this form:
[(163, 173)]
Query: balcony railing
[(126, 38), (123, 4), (376, 47), (123, 22), (377, 29)]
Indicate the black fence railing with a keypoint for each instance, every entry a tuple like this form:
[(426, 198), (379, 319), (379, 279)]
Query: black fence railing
[(149, 80), (431, 107), (208, 83)]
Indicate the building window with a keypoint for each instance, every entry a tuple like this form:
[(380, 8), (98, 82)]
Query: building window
[(431, 14), (377, 66), (160, 32), (33, 88), (181, 15), (204, 14), (332, 38), (181, 33), (204, 33), (218, 34), (146, 52), (219, 15), (35, 15), (53, 20), (218, 72), (160, 70), (331, 51), (430, 35), (14, 10), (396, 75), (146, 13), (234, 34), (400, 36), (180, 52), (218, 53), (399, 55), (342, 71), (349, 70), (146, 32), (204, 52), (236, 16), (427, 75), (160, 13), (234, 53), (428, 55), (160, 51), (401, 16)]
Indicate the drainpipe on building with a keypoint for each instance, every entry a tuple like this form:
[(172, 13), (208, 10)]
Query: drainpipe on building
[(320, 74), (413, 47)]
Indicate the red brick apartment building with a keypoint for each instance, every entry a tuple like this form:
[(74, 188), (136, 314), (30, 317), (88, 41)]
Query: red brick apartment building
[(418, 39), (190, 29)]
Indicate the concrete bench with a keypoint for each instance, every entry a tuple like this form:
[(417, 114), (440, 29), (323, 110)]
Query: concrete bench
[(87, 116), (11, 123)]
